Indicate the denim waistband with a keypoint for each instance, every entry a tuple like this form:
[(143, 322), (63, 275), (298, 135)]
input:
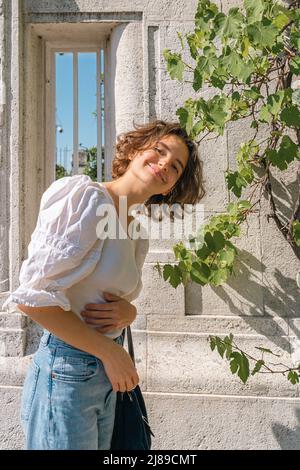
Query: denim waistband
[(47, 336)]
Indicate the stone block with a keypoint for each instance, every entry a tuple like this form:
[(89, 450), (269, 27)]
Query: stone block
[(184, 363), (12, 320), (222, 325), (12, 342), (280, 267), (11, 433), (208, 422), (158, 296)]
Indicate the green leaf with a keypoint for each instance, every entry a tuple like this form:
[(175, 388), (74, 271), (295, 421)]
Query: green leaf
[(258, 366), (275, 102), (264, 114), (295, 39), (232, 230), (296, 231), (186, 117), (215, 241), (280, 20), (168, 270), (232, 63), (206, 10), (296, 97), (200, 273), (181, 251), (240, 364), (226, 257), (254, 124), (220, 346), (203, 252), (173, 274), (235, 64), (219, 112), (175, 66), (228, 344), (293, 377), (272, 155), (219, 21), (198, 80), (204, 68), (291, 116), (235, 182), (265, 350), (217, 82), (180, 39), (213, 342), (219, 240), (273, 106), (233, 23), (245, 46), (183, 115), (243, 204), (287, 152), (253, 93), (232, 208), (219, 276), (193, 44), (262, 34), (254, 10), (158, 268), (295, 65), (261, 64)]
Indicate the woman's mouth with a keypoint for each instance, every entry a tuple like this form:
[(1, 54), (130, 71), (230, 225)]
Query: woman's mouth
[(156, 173)]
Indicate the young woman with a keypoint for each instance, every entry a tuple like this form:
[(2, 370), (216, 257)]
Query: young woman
[(78, 285)]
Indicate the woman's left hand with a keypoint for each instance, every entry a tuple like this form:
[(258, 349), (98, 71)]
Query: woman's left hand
[(115, 314)]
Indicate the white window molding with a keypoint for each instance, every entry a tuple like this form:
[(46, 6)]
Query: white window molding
[(50, 136)]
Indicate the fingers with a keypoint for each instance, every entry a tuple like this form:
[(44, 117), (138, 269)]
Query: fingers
[(100, 310), (126, 386), (106, 329), (96, 306), (99, 321), (103, 306), (110, 296)]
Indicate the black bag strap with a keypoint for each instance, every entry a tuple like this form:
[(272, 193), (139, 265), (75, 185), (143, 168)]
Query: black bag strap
[(129, 342)]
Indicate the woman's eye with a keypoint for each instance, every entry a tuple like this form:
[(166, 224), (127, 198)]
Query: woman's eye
[(160, 151)]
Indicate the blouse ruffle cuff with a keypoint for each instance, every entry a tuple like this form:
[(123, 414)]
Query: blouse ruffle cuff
[(33, 298)]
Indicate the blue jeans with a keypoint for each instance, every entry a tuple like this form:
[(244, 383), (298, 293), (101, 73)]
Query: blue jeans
[(67, 399)]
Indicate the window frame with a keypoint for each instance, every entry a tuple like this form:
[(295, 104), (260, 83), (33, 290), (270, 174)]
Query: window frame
[(50, 101)]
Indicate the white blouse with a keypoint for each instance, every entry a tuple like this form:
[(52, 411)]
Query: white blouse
[(69, 264)]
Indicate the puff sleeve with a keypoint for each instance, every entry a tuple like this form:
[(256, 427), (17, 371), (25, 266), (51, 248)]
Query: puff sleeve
[(64, 247)]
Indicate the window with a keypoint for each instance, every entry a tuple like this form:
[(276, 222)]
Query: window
[(75, 101)]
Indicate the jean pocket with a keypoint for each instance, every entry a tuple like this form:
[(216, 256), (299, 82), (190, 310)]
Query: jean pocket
[(74, 368), (29, 389)]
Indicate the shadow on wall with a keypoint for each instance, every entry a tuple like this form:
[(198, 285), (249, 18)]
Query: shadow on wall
[(288, 439), (262, 286)]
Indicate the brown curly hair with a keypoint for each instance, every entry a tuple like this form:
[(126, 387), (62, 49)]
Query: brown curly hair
[(189, 189)]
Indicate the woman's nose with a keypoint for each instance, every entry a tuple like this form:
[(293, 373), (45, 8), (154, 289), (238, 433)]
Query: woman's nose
[(164, 165)]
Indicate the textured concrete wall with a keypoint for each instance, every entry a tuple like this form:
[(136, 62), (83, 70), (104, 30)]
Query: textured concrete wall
[(184, 382)]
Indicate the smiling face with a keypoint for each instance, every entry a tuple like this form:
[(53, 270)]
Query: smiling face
[(162, 164)]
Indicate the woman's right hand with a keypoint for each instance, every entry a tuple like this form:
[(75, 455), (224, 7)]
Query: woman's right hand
[(120, 369)]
